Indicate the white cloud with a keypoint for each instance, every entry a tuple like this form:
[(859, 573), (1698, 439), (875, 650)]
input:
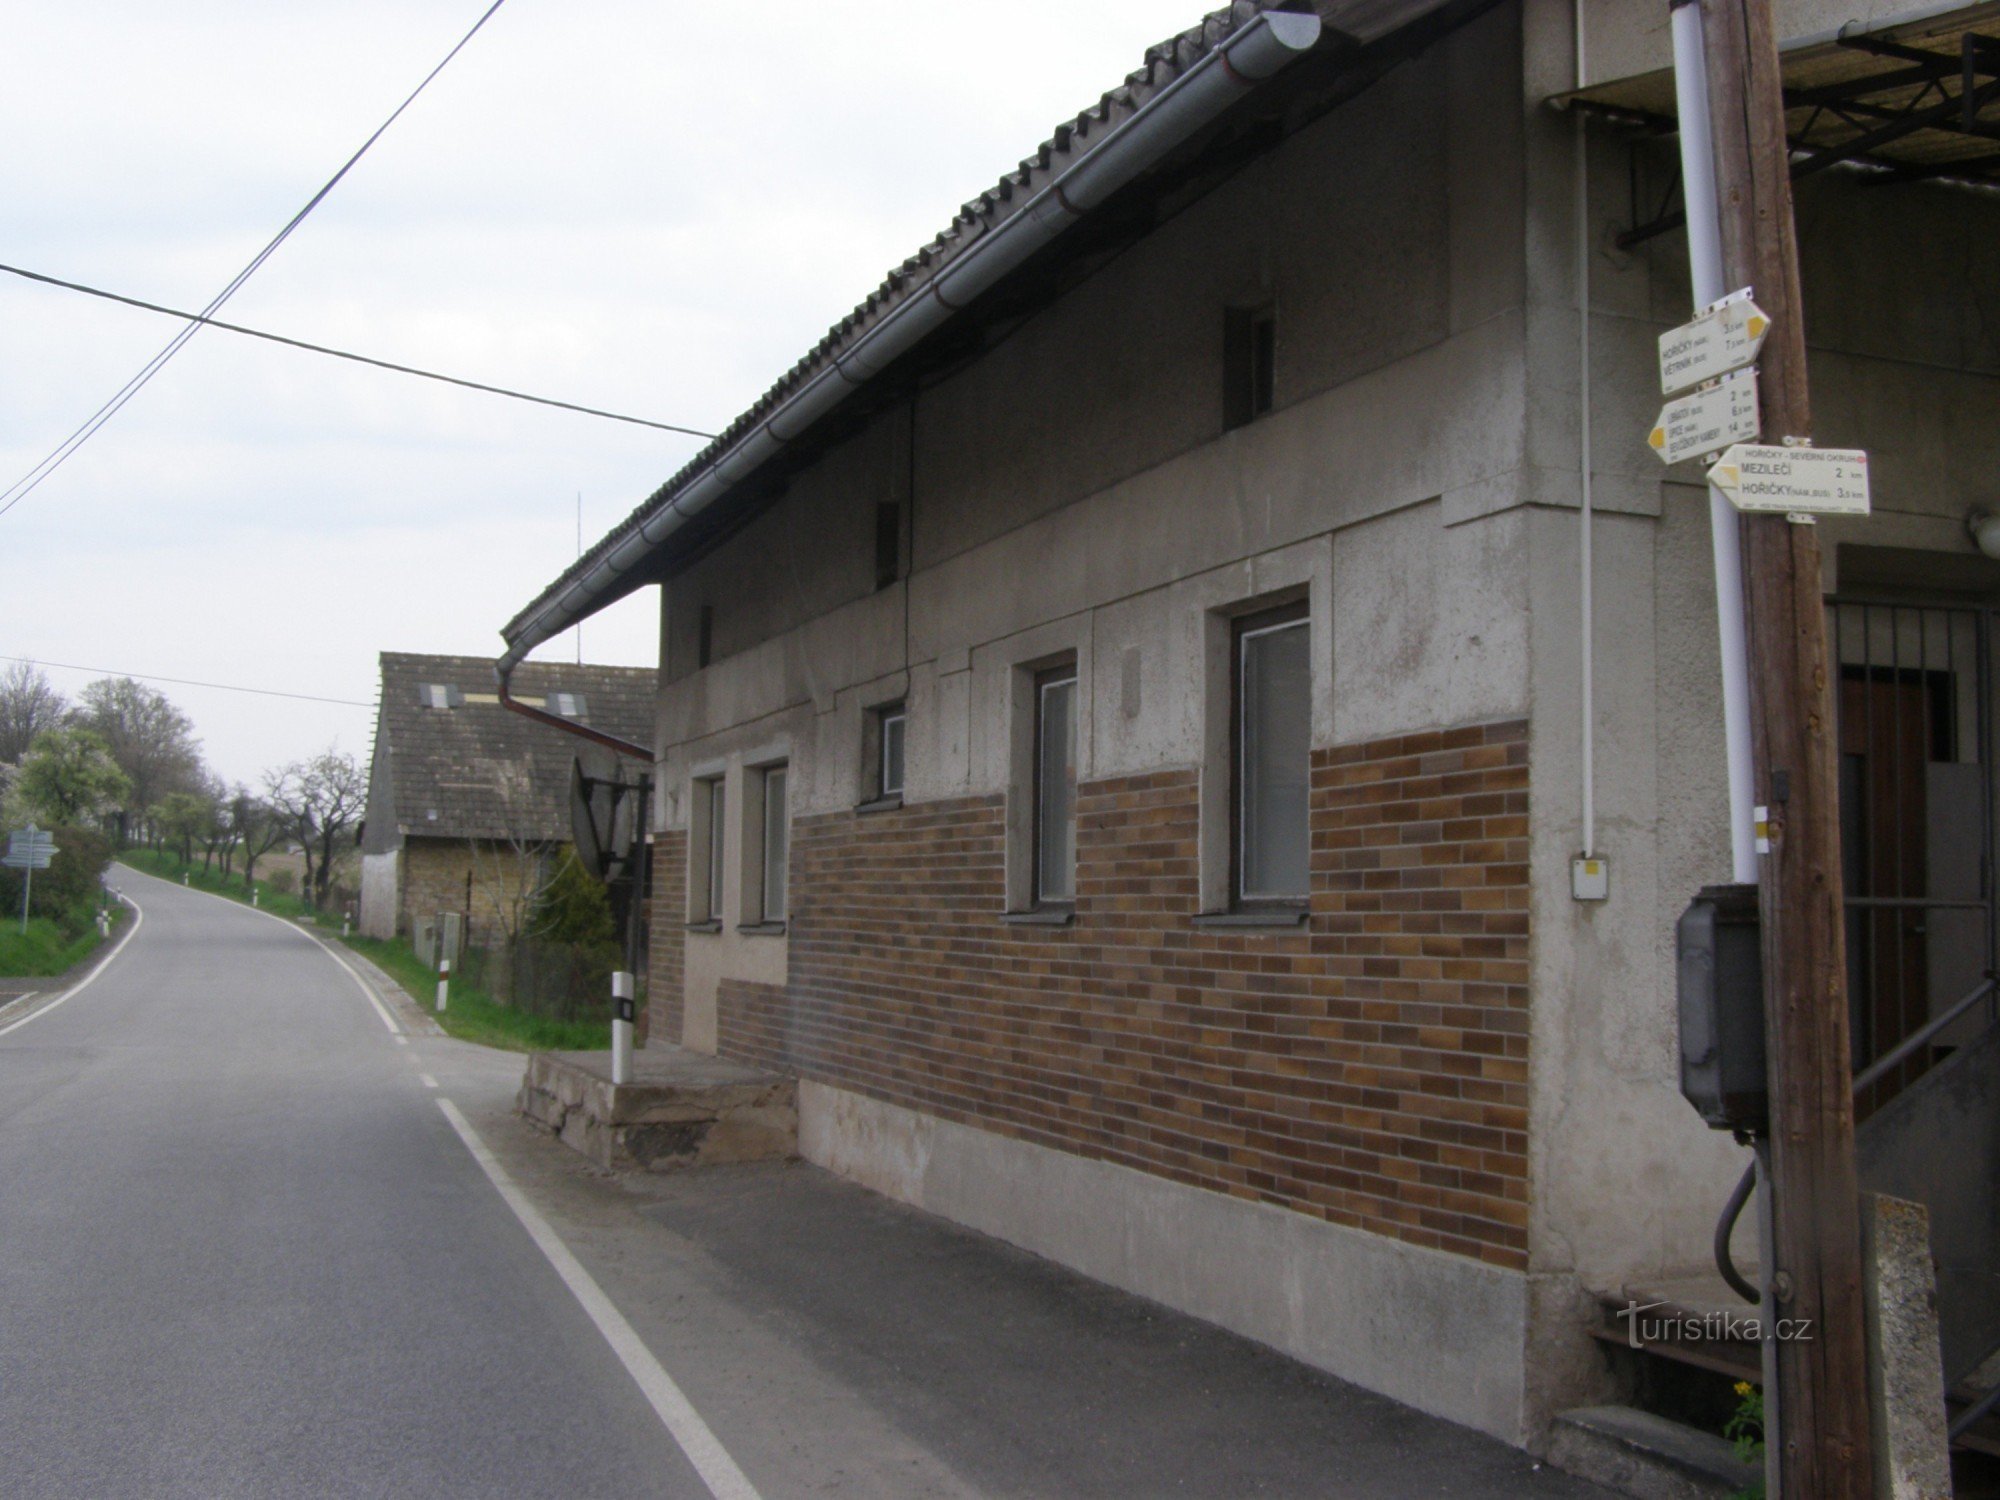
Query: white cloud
[(654, 209)]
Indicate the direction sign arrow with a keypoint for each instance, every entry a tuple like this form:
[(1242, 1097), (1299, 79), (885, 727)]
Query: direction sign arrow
[(1708, 420), (1808, 481), (1726, 336)]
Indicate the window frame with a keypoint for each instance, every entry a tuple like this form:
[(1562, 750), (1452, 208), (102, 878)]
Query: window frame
[(1050, 677), (768, 866), (1249, 364), (897, 713), (707, 887), (1295, 615)]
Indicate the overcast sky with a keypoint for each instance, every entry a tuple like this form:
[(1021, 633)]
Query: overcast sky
[(651, 208)]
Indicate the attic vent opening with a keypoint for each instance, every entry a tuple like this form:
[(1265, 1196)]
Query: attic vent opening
[(439, 695), (569, 705)]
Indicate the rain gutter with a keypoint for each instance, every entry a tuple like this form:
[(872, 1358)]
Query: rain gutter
[(1194, 99)]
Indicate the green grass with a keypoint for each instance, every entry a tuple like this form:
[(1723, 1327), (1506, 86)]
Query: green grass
[(470, 1014), (44, 949)]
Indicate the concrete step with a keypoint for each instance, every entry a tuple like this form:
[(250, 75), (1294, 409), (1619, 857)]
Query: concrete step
[(1639, 1454), (680, 1109)]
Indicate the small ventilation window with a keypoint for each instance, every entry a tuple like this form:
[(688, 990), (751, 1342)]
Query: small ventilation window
[(1249, 364), (569, 705), (439, 695)]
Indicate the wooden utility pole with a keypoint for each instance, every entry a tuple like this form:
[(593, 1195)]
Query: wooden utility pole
[(1821, 1397)]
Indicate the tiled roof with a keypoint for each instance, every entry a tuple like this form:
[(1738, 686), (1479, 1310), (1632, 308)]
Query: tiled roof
[(1164, 62), (478, 770)]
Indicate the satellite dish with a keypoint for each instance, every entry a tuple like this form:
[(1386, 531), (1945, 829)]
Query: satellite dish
[(606, 812)]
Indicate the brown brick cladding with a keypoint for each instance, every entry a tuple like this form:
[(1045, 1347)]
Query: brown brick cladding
[(1369, 1069), (666, 937)]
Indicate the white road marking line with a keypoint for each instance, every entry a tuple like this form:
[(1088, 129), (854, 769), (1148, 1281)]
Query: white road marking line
[(711, 1460), (138, 920), (429, 1082), (291, 926)]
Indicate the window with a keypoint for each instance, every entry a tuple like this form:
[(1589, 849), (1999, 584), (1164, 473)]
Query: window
[(1249, 364), (704, 636), (569, 705), (710, 821), (439, 695), (1055, 786), (776, 844), (889, 767), (1271, 732)]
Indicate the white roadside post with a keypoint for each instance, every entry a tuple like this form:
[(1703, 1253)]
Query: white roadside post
[(444, 981), (255, 895), (184, 877), (622, 1017)]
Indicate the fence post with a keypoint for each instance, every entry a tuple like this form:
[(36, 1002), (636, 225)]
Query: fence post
[(444, 981), (622, 1015)]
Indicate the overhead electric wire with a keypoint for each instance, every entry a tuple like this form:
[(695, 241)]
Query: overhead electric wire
[(227, 687), (361, 359), (23, 486)]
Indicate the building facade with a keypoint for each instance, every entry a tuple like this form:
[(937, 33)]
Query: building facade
[(468, 803), (1127, 761)]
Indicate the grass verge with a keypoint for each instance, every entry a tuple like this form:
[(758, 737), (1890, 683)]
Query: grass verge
[(471, 1014), (45, 949)]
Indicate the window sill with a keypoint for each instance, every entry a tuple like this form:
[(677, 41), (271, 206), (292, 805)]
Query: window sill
[(761, 929), (713, 924), (1275, 919), (881, 804), (1041, 916)]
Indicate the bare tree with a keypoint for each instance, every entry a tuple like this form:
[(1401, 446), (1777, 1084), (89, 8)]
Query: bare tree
[(153, 741), (258, 828), (319, 800), (29, 704)]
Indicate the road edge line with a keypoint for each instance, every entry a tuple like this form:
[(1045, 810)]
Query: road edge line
[(290, 926), (704, 1450), (138, 921)]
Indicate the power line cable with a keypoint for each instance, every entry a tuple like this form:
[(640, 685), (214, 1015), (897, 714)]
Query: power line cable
[(227, 687), (27, 483), (361, 359)]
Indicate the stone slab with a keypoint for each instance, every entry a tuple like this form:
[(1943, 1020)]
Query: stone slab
[(1639, 1454), (681, 1109)]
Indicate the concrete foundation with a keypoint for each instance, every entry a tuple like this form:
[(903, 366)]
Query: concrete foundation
[(1438, 1332), (680, 1109)]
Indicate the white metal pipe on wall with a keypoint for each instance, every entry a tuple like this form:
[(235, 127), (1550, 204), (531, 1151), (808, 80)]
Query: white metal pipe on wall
[(1586, 563), (1725, 532)]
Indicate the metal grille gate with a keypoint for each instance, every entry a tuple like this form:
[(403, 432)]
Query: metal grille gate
[(1913, 700)]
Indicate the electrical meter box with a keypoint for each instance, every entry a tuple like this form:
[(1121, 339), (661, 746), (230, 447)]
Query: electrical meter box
[(1721, 981)]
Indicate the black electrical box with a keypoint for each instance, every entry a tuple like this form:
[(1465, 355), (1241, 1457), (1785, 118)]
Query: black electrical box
[(1721, 974)]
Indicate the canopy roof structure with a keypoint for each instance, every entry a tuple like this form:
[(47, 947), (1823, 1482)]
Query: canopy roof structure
[(1906, 101)]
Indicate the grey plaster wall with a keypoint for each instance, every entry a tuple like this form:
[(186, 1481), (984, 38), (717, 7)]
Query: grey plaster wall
[(1073, 494), (1900, 303)]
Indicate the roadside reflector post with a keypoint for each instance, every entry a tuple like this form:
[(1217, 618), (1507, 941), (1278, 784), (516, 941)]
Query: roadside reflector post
[(184, 877), (623, 1015), (444, 981), (346, 925), (255, 895)]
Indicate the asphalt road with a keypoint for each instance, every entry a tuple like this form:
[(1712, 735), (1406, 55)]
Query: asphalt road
[(244, 1253), (265, 1232)]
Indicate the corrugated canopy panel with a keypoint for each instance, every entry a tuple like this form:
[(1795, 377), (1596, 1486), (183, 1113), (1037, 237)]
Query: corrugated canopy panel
[(1918, 100)]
